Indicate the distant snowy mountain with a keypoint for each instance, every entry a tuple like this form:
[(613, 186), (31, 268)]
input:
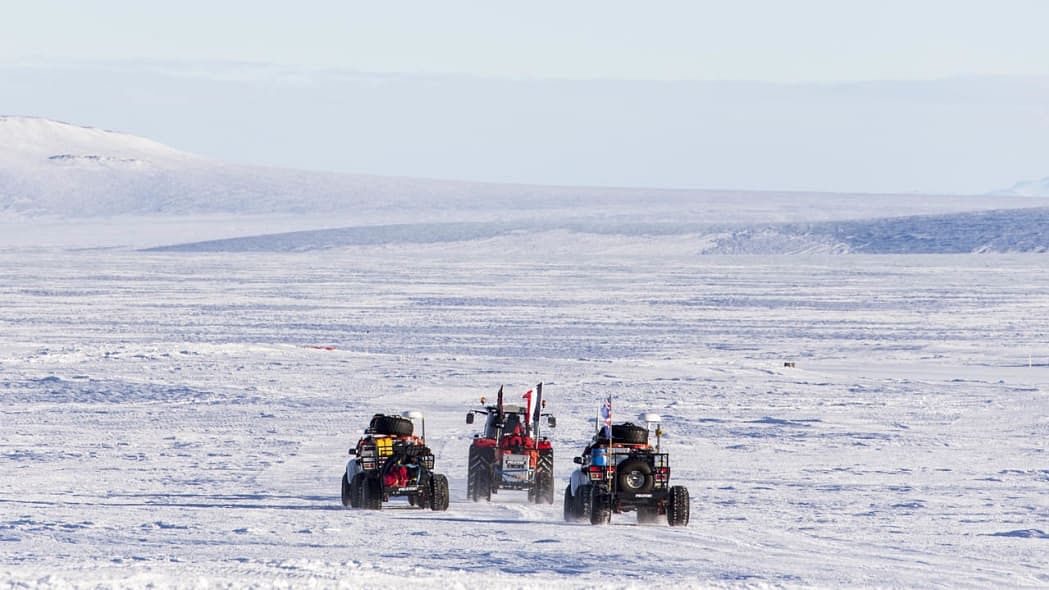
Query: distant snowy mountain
[(1027, 188), (54, 169)]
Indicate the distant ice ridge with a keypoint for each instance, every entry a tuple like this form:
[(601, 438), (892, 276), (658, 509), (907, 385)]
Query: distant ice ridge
[(1028, 188), (1012, 230)]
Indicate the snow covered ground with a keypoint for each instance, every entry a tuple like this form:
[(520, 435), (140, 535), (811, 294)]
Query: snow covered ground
[(165, 420)]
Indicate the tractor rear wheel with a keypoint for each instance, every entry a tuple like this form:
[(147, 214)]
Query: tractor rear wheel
[(479, 475)]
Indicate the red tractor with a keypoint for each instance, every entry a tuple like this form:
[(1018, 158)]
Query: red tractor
[(511, 454)]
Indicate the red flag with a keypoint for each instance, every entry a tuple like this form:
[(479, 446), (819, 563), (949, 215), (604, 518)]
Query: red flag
[(528, 409)]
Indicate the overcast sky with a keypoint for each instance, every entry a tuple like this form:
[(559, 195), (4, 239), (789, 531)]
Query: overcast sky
[(97, 63)]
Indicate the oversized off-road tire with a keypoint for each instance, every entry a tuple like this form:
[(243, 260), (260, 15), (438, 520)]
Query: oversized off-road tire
[(371, 493), (347, 492), (634, 476), (583, 500), (569, 506), (678, 506), (391, 425), (600, 507), (629, 433), (647, 514), (356, 491), (438, 499), (479, 475)]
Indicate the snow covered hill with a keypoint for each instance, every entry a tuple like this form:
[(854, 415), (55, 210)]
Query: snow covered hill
[(68, 186), (58, 169), (50, 168)]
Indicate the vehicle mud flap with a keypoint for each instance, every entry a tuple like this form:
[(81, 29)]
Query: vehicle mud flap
[(422, 498), (647, 514)]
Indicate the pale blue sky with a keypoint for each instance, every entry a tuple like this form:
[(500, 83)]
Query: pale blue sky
[(771, 40), (932, 96)]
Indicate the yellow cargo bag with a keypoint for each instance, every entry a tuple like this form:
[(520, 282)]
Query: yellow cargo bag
[(384, 446)]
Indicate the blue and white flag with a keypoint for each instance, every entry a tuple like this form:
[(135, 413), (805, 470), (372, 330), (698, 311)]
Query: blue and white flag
[(606, 418)]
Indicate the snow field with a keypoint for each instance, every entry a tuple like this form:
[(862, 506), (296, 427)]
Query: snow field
[(164, 419)]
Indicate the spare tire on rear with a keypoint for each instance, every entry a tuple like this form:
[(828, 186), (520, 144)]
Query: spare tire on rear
[(634, 476), (629, 433), (391, 425)]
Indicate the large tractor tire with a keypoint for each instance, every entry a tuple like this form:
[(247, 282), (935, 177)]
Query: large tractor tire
[(678, 506), (438, 499), (479, 475), (634, 476), (544, 488), (630, 434), (391, 425), (371, 496)]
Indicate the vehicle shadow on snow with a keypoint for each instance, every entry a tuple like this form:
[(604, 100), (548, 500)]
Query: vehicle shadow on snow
[(503, 521), (225, 502)]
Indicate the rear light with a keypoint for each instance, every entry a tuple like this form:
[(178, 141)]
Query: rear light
[(662, 476), (597, 472)]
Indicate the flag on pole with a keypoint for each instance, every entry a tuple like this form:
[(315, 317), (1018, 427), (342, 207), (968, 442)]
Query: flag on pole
[(538, 402), (606, 417), (528, 407)]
